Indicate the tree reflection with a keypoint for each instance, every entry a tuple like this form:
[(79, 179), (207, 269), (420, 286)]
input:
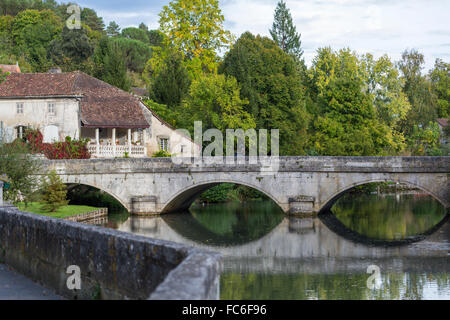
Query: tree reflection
[(389, 217)]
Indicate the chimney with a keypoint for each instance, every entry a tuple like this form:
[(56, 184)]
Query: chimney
[(55, 70)]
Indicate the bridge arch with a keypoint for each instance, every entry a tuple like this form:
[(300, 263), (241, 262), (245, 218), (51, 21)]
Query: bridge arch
[(331, 200), (118, 199), (184, 198)]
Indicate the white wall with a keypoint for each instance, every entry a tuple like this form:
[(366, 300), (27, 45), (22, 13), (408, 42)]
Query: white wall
[(158, 129), (35, 115)]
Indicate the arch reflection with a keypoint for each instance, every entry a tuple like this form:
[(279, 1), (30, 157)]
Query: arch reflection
[(385, 219), (227, 224)]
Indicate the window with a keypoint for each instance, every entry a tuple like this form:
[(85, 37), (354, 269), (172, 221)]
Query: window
[(164, 144), (182, 148), (51, 108), (19, 107), (20, 132)]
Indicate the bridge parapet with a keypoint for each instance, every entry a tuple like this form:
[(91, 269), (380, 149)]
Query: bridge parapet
[(285, 164)]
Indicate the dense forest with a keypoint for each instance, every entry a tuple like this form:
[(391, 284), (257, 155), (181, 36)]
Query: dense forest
[(194, 69)]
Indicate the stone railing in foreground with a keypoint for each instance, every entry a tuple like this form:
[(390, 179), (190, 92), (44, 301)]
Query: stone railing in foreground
[(113, 264)]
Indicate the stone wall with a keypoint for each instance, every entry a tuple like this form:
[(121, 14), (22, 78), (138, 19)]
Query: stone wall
[(113, 264)]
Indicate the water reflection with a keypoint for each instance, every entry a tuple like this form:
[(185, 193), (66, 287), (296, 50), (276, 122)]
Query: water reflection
[(270, 256), (389, 217)]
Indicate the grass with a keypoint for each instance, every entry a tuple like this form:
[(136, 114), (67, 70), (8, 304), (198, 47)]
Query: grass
[(63, 212)]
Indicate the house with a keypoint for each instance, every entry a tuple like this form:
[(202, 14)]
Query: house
[(443, 123), (10, 68), (80, 106)]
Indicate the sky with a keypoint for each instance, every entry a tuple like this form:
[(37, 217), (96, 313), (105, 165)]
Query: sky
[(375, 26)]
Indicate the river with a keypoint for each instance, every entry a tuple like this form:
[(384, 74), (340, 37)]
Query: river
[(366, 247)]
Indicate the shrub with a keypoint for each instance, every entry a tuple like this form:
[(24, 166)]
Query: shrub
[(69, 149), (54, 192), (16, 162), (162, 154)]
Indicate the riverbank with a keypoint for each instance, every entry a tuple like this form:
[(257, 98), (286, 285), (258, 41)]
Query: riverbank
[(63, 212)]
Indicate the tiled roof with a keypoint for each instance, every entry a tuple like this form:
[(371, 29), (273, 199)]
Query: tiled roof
[(102, 105), (12, 68), (443, 122)]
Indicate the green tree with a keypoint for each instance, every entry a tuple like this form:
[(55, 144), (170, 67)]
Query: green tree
[(425, 140), (171, 84), (270, 81), (18, 164), (195, 27), (71, 48), (215, 100), (284, 32), (440, 78), (156, 38), (113, 29), (345, 113), (136, 34), (54, 192), (32, 32), (423, 101), (110, 64), (385, 88), (6, 39), (90, 17), (135, 53)]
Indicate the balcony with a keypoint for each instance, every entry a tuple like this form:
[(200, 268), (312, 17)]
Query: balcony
[(117, 151)]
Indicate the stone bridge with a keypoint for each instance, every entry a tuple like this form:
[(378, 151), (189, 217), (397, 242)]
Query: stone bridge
[(296, 184)]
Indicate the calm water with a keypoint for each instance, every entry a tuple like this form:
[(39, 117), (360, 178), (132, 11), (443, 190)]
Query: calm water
[(270, 256)]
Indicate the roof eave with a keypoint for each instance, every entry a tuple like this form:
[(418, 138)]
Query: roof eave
[(42, 97)]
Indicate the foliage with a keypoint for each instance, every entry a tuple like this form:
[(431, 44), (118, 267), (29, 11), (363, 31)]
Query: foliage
[(71, 49), (54, 192), (423, 101), (136, 34), (32, 32), (18, 164), (162, 154), (13, 7), (170, 115), (195, 27), (222, 193), (113, 29), (110, 64), (284, 32), (69, 149), (385, 89), (270, 81), (82, 194), (215, 100), (440, 78), (90, 17), (345, 113), (171, 84), (135, 53), (425, 140)]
